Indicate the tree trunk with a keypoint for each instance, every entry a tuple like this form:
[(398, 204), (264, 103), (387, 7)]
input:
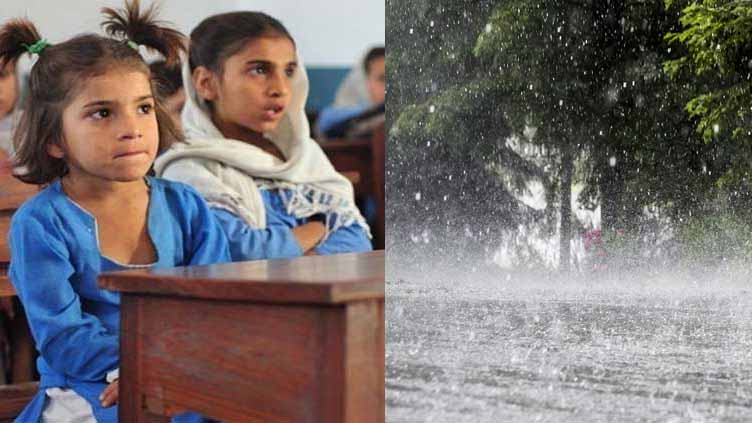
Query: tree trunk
[(565, 235), (619, 211), (611, 187)]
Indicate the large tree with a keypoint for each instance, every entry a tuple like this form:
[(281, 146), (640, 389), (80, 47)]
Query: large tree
[(581, 81), (447, 133), (588, 75)]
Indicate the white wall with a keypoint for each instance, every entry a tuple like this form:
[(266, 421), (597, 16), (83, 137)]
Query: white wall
[(328, 32)]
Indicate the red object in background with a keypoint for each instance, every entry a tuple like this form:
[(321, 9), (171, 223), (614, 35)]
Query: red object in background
[(593, 239), (594, 246)]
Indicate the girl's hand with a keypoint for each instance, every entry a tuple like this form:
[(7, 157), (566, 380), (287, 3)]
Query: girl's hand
[(308, 235), (109, 396)]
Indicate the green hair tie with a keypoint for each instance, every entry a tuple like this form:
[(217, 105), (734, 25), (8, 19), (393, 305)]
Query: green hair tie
[(132, 45), (38, 47)]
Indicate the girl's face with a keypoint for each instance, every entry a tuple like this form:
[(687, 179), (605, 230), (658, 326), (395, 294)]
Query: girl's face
[(8, 89), (376, 80), (110, 129), (254, 89)]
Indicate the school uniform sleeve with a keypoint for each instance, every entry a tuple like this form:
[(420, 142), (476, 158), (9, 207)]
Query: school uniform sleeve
[(333, 120), (71, 341), (346, 239), (274, 241), (209, 244)]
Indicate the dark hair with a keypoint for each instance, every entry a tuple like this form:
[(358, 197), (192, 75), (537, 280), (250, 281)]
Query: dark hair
[(373, 54), (220, 36), (62, 69), (168, 79)]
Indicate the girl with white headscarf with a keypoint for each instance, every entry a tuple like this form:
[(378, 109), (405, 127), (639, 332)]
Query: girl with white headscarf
[(248, 147)]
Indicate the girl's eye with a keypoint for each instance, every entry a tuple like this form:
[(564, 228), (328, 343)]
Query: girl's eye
[(290, 72), (145, 108), (100, 114), (257, 70)]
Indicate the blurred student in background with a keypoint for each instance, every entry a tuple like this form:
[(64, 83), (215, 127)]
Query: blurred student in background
[(354, 120), (169, 85), (9, 105)]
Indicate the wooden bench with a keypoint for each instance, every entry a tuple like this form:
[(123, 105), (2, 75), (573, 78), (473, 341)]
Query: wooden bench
[(363, 161), (297, 340), (14, 397)]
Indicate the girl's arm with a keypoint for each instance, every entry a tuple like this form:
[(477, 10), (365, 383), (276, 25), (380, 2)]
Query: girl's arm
[(208, 242), (346, 239), (275, 241), (71, 341)]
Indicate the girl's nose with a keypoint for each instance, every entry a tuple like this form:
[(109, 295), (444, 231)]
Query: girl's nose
[(131, 136), (130, 129), (278, 86)]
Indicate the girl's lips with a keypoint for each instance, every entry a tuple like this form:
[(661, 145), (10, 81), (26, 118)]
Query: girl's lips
[(129, 154), (273, 113)]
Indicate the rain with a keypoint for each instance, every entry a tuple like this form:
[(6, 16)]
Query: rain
[(569, 211)]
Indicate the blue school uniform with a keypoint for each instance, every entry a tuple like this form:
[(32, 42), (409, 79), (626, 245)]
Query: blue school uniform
[(54, 268), (331, 121), (277, 240)]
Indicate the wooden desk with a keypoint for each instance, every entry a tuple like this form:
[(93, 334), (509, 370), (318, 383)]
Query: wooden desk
[(366, 158), (15, 396), (264, 341)]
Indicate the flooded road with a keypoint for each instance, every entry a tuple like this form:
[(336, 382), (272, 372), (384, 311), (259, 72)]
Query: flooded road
[(511, 351)]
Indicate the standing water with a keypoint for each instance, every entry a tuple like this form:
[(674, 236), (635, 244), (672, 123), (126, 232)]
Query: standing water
[(480, 348)]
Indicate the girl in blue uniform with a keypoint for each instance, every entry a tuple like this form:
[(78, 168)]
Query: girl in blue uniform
[(248, 147), (91, 131)]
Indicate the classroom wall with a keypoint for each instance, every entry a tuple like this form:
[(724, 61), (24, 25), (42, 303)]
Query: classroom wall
[(60, 19), (332, 35), (329, 33)]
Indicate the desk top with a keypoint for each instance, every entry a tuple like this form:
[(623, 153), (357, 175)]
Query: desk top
[(342, 144), (333, 279)]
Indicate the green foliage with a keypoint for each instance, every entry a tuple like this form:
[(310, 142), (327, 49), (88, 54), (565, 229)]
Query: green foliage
[(589, 75), (447, 131), (715, 238), (716, 38)]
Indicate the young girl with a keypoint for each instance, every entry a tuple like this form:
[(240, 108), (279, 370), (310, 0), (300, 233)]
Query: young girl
[(249, 150), (9, 94), (91, 131)]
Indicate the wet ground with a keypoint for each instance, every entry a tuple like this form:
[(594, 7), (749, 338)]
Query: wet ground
[(507, 350)]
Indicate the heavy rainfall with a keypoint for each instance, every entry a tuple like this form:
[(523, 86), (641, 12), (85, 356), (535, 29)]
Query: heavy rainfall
[(569, 211)]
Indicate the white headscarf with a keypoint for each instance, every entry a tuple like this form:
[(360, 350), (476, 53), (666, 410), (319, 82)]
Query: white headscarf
[(229, 173)]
